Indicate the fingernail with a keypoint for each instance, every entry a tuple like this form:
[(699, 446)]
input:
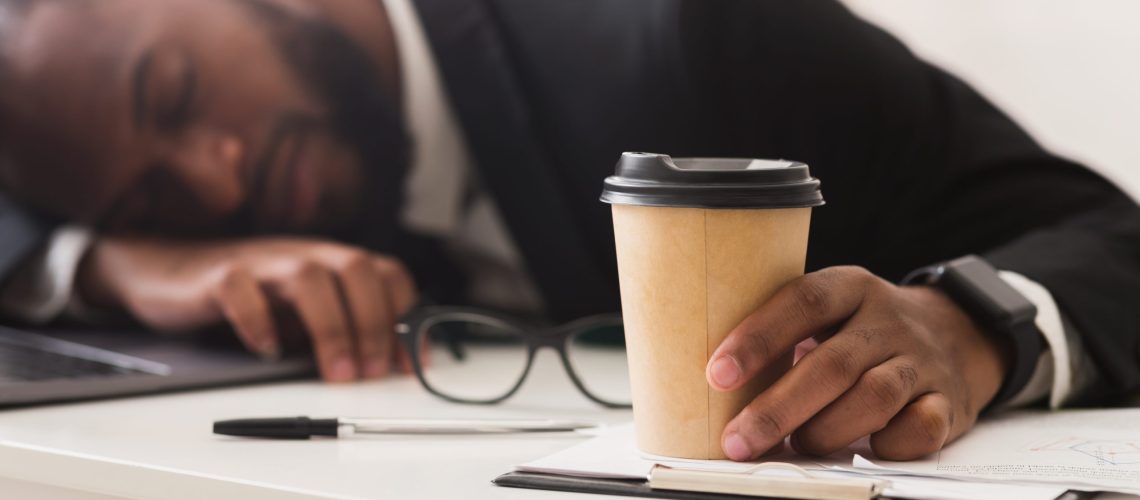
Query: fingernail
[(725, 371), (269, 351), (342, 370), (736, 448), (375, 369)]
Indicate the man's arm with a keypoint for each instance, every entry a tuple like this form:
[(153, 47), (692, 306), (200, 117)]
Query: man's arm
[(918, 168), (345, 298), (1091, 265), (1025, 210), (1065, 373)]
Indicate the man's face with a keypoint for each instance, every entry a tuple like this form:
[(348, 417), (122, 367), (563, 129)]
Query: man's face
[(200, 116)]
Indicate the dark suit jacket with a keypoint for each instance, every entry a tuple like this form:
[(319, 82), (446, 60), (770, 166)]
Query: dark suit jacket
[(916, 166)]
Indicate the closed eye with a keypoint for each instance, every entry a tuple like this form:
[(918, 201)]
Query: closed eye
[(177, 113), (164, 87), (141, 75)]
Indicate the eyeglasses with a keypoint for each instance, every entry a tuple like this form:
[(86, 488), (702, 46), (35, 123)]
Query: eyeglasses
[(482, 357)]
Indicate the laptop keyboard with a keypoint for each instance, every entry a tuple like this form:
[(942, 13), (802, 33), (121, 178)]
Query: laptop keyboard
[(27, 362)]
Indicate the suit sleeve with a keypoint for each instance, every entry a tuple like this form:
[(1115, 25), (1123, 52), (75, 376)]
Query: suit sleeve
[(20, 235), (44, 287), (1025, 210), (917, 166)]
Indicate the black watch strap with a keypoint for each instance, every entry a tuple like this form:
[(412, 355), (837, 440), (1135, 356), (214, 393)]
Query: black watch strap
[(1027, 347), (995, 305)]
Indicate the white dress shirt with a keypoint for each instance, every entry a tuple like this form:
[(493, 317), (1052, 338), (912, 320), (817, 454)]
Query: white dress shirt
[(443, 198), (444, 201)]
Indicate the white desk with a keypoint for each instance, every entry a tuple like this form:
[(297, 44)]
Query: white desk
[(162, 447)]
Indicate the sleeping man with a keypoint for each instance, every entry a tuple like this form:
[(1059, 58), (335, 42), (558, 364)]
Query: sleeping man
[(320, 165)]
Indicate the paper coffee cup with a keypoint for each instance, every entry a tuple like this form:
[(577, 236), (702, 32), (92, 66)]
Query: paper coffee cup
[(701, 244)]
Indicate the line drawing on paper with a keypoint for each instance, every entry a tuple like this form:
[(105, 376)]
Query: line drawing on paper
[(1102, 451)]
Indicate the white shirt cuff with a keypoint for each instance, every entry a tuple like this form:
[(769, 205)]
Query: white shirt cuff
[(43, 287), (1063, 366)]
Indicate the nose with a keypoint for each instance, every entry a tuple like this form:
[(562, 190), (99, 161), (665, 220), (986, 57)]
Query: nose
[(211, 165)]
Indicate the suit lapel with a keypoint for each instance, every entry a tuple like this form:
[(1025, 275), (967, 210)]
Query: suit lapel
[(514, 165)]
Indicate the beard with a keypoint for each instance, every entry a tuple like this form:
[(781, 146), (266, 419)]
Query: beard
[(360, 114)]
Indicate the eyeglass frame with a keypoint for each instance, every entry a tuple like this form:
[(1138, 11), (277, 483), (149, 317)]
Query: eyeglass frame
[(534, 337)]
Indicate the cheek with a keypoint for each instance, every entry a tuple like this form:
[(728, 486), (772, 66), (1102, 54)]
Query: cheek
[(340, 179)]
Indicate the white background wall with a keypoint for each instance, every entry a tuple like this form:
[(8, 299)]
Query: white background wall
[(1067, 70)]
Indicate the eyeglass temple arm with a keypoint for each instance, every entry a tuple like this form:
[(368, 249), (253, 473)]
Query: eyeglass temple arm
[(452, 340)]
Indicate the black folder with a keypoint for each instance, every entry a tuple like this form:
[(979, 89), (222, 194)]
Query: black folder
[(640, 488), (620, 487)]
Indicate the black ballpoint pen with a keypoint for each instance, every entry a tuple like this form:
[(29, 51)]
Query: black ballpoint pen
[(305, 427)]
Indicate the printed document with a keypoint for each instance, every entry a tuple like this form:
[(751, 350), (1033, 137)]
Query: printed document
[(613, 455), (1083, 449)]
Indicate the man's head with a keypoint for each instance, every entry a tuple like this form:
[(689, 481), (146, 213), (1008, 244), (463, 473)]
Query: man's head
[(200, 116)]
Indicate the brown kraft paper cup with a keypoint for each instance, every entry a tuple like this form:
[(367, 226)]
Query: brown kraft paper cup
[(692, 264)]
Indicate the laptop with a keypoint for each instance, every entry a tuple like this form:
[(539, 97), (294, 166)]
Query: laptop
[(61, 366)]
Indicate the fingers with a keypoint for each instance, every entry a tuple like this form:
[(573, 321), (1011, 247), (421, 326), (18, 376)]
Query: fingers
[(803, 348), (867, 408), (399, 282), (816, 381), (807, 307), (313, 292), (402, 296), (369, 307), (404, 359), (375, 291), (922, 428), (243, 304), (347, 299)]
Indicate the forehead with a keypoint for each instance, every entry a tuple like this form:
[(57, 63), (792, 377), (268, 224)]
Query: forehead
[(68, 134), (57, 65)]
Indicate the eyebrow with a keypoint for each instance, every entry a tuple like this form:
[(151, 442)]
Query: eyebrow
[(138, 87)]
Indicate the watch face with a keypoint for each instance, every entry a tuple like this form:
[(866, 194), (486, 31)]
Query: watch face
[(976, 284)]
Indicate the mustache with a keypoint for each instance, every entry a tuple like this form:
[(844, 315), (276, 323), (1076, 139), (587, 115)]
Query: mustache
[(245, 220)]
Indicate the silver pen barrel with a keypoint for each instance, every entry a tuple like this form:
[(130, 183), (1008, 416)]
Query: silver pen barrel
[(456, 426)]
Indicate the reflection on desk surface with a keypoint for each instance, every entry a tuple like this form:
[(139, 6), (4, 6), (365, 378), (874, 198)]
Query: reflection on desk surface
[(162, 446)]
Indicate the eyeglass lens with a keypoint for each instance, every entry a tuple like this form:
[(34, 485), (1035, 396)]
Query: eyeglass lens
[(478, 358)]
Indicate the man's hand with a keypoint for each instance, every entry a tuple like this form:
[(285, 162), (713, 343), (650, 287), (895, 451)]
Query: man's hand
[(904, 365), (347, 299)]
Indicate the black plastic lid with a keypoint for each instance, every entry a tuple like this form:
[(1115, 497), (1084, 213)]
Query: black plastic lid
[(657, 180)]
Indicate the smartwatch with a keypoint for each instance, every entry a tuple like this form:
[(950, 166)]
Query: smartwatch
[(996, 306)]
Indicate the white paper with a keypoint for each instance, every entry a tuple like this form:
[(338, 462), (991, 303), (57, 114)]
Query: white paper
[(613, 455), (1083, 449)]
